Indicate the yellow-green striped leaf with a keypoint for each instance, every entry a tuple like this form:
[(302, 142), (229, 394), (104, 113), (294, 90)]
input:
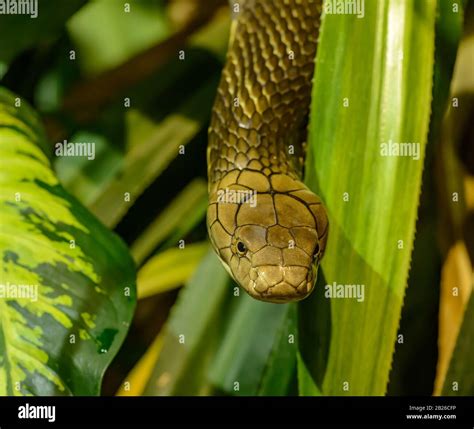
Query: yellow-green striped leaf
[(67, 284), (372, 93)]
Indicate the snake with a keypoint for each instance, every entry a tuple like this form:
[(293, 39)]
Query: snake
[(267, 227)]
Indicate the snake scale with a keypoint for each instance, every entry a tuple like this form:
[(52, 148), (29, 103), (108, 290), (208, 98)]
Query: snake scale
[(268, 229)]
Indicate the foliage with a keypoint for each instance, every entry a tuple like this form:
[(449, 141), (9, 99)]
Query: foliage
[(382, 78), (68, 291), (372, 218)]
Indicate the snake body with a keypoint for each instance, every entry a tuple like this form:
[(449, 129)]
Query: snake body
[(255, 152)]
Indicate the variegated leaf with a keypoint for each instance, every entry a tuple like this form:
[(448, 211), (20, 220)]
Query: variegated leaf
[(67, 284)]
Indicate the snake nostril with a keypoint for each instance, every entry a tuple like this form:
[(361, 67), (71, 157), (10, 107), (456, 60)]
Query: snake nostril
[(260, 285)]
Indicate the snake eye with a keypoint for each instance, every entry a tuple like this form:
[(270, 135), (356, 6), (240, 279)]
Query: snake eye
[(241, 248)]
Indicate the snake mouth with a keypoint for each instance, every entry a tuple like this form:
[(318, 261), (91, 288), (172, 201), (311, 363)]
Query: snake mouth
[(281, 284)]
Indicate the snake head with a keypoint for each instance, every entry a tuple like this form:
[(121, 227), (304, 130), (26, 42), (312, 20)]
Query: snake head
[(270, 233)]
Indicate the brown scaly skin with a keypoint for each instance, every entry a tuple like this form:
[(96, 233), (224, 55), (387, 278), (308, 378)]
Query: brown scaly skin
[(256, 139)]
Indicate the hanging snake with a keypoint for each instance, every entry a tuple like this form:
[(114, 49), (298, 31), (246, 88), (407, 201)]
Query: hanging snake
[(268, 229)]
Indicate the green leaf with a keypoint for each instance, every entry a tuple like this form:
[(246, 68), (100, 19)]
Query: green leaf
[(193, 218), (314, 336), (179, 211), (307, 387), (85, 179), (214, 338), (145, 162), (169, 269), (372, 86), (415, 358), (248, 342), (192, 333), (67, 286), (280, 366), (106, 35)]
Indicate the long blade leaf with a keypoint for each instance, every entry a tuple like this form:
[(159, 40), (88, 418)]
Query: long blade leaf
[(367, 100)]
